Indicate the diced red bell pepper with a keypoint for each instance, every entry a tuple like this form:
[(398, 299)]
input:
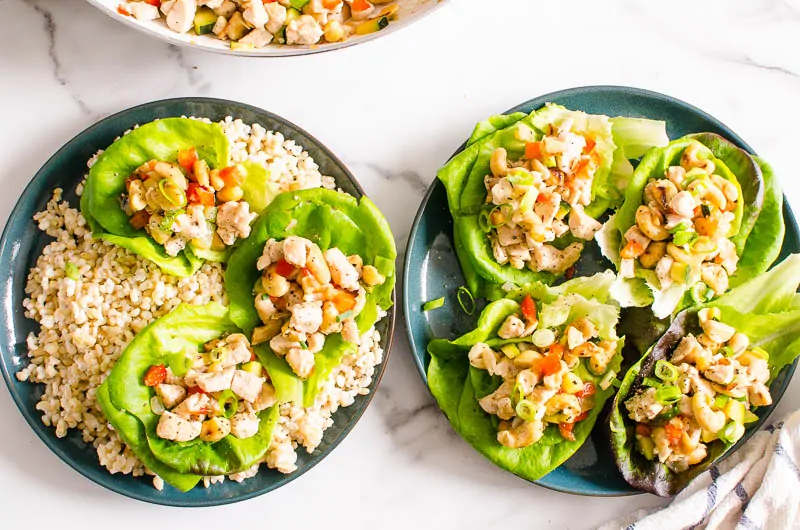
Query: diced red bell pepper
[(588, 390), (156, 3), (360, 5), (284, 268), (528, 307), (343, 301), (565, 429), (533, 150), (197, 194), (551, 364), (590, 143), (232, 176), (187, 158), (195, 390), (155, 375), (642, 429), (674, 430)]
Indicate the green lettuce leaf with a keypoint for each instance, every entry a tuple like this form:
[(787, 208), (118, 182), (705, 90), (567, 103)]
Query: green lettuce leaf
[(158, 140), (457, 387), (186, 328), (763, 309), (329, 219)]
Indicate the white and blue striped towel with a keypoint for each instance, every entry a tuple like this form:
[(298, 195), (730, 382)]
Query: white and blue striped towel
[(757, 488)]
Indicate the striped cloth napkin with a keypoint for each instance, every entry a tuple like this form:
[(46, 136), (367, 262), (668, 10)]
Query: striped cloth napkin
[(757, 488)]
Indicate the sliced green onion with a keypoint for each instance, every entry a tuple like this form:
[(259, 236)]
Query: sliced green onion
[(608, 380), (694, 174), (652, 383), (684, 237), (760, 352), (470, 300), (668, 395), (172, 192), (182, 362), (520, 177), (344, 316), (670, 413), (303, 345), (517, 394), (227, 403), (433, 304), (169, 218), (680, 227), (699, 293), (215, 355), (720, 401), (727, 351), (156, 406), (731, 433), (71, 270), (749, 417), (666, 371), (526, 410), (483, 221)]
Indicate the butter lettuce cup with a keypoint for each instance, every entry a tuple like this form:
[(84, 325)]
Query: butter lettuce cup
[(190, 398), (700, 216), (526, 387), (167, 190), (691, 398), (526, 191), (316, 273)]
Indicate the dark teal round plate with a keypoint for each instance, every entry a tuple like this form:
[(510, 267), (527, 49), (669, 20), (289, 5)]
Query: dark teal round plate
[(432, 270), (22, 243)]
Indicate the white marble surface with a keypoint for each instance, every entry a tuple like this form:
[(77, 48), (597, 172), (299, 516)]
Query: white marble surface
[(394, 110)]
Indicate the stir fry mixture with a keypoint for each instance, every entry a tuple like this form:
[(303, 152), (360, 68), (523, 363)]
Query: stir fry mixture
[(220, 393), (188, 203), (541, 197), (305, 294), (249, 24), (541, 381), (682, 231), (706, 392)]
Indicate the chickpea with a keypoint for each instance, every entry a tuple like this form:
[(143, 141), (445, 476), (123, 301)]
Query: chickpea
[(230, 193), (650, 224), (274, 284)]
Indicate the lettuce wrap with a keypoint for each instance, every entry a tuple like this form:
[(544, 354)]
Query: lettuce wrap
[(160, 140), (616, 140), (757, 213), (764, 309), (126, 400), (329, 219), (457, 384)]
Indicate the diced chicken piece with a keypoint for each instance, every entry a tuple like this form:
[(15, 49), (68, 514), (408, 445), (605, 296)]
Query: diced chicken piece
[(173, 427), (272, 253), (721, 372), (727, 256), (167, 6), (643, 406), (174, 245), (143, 11), (759, 395), (295, 250), (495, 403), (572, 146), (627, 268), (170, 395), (237, 350), (246, 385), (718, 331), (215, 429), (301, 361), (663, 271), (684, 203), (306, 317), (482, 357), (687, 350), (266, 398), (192, 224), (315, 341), (180, 18), (281, 344), (265, 308), (277, 16), (254, 13), (549, 258), (193, 407), (758, 370), (303, 30), (511, 328), (216, 381), (574, 338), (502, 192), (523, 435), (634, 235), (509, 236), (499, 252), (343, 273), (211, 4), (233, 220), (244, 425), (258, 38), (548, 208), (581, 225), (350, 332)]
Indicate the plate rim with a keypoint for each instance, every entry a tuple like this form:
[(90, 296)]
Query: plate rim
[(46, 434), (787, 212), (285, 51)]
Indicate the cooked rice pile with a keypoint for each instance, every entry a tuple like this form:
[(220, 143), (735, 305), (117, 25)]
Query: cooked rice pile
[(85, 324)]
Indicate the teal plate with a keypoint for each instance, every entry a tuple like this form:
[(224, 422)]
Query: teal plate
[(432, 271), (22, 243)]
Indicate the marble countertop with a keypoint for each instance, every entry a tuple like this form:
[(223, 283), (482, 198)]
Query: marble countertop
[(393, 110)]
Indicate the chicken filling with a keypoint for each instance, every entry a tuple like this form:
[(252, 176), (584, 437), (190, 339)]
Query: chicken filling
[(249, 24), (305, 294), (541, 382), (220, 394), (535, 200), (705, 392), (188, 203), (682, 230)]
